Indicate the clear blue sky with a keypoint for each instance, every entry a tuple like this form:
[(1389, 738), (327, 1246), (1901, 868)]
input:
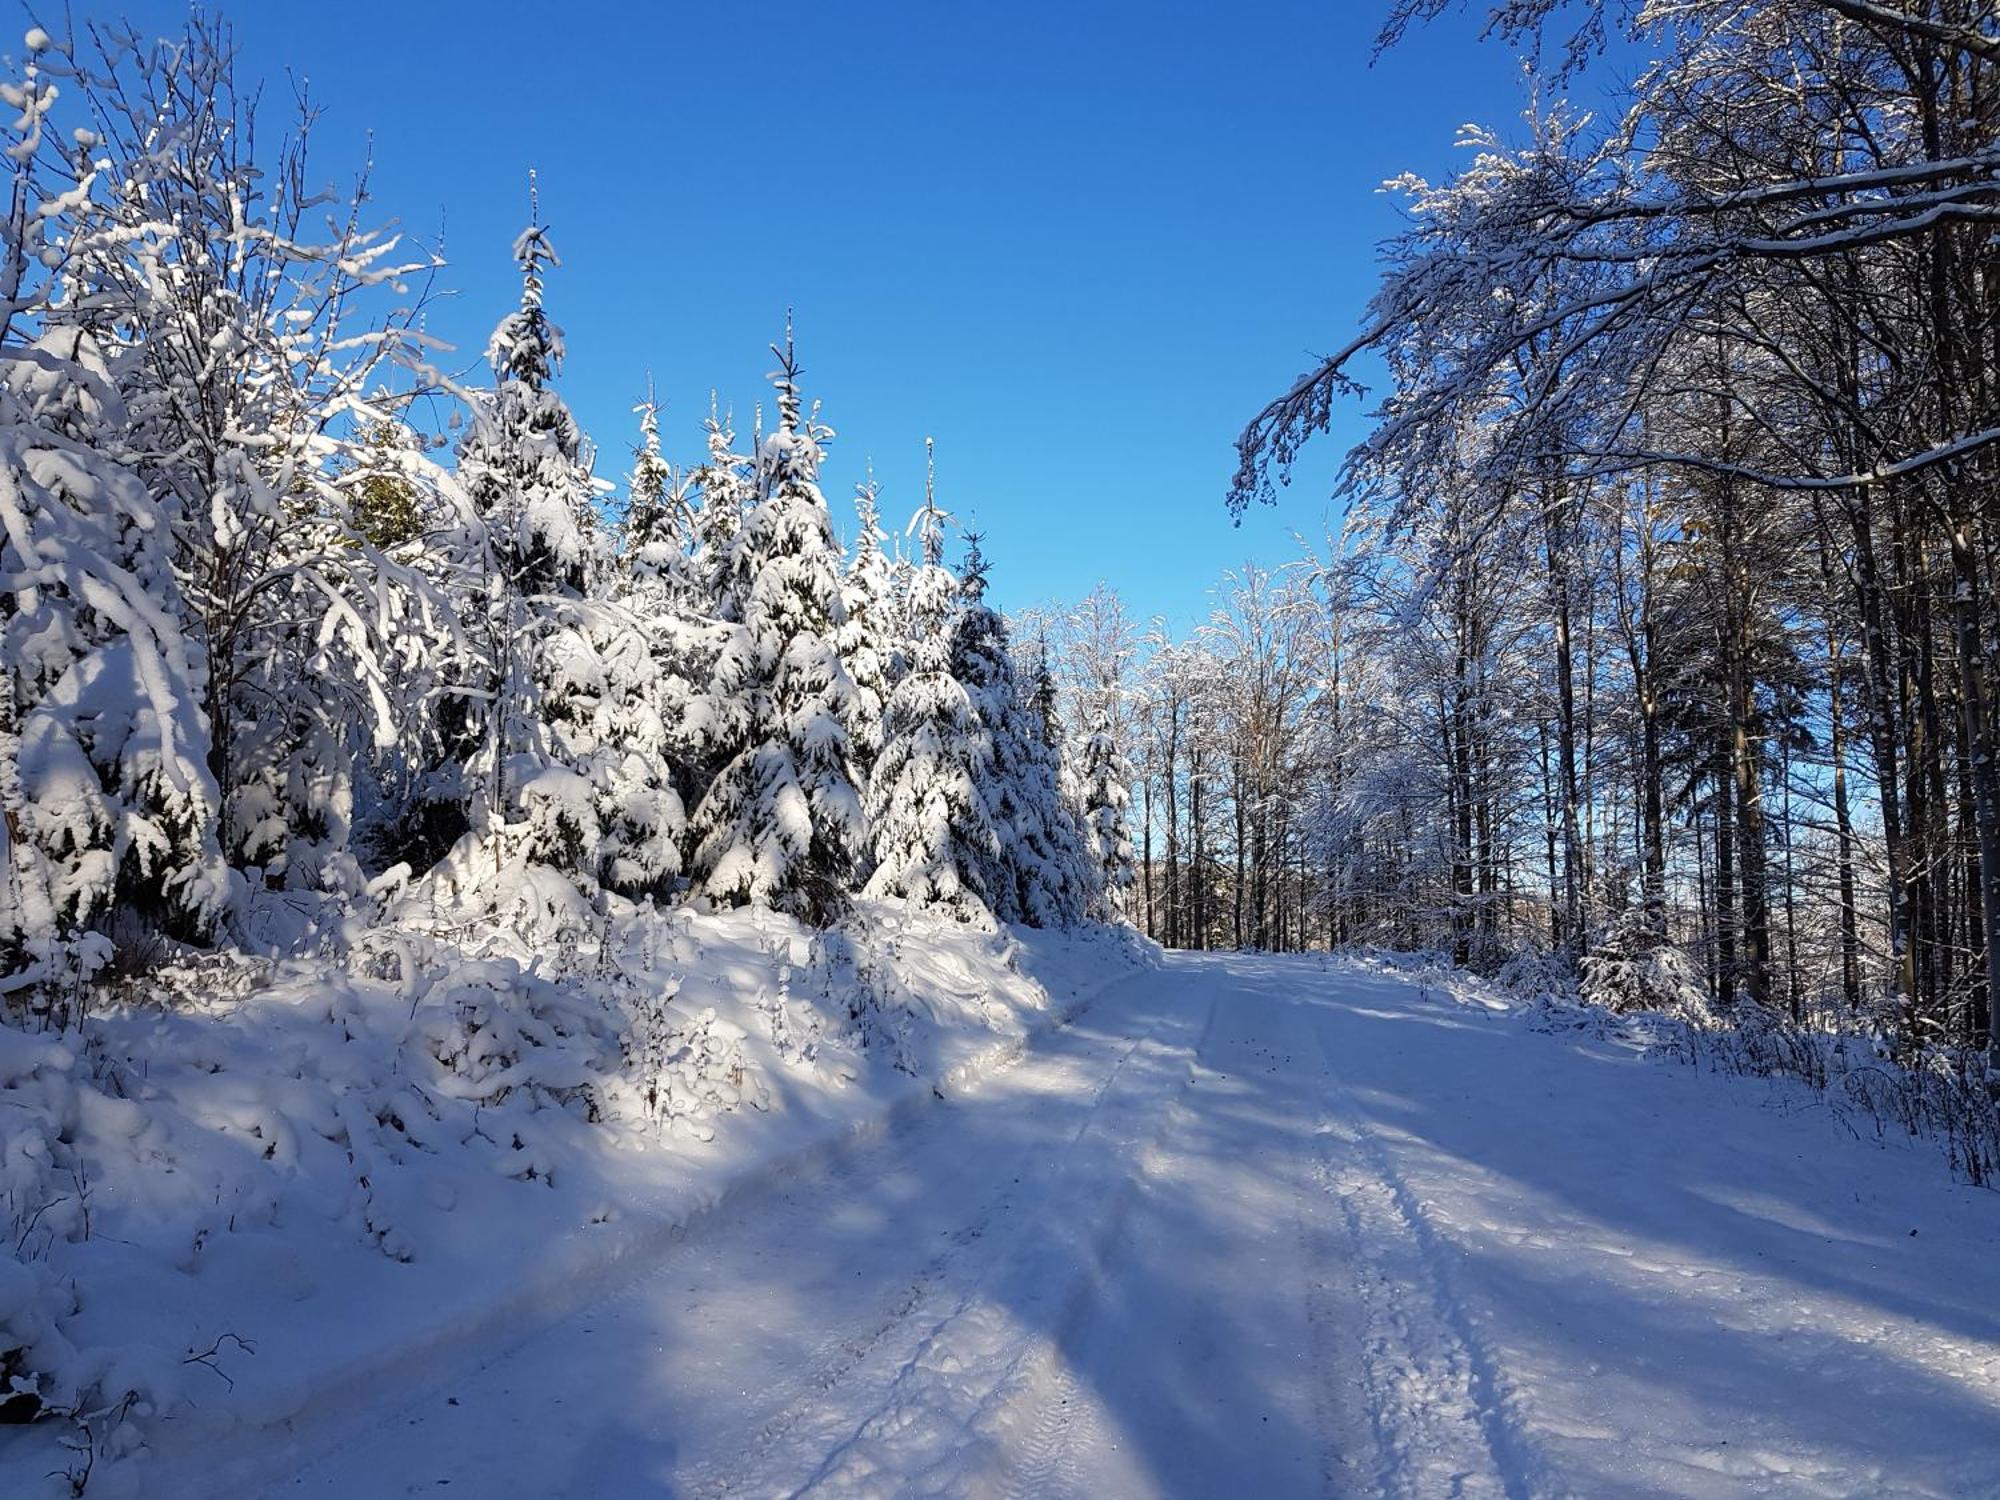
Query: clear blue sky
[(1078, 244)]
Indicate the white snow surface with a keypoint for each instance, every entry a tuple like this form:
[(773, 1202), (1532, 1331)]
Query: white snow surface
[(1243, 1226), (338, 1183)]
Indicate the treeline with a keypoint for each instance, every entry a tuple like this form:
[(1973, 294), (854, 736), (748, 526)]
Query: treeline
[(1660, 641), (292, 622)]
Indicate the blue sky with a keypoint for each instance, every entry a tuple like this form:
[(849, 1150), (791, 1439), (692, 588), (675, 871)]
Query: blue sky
[(1077, 244)]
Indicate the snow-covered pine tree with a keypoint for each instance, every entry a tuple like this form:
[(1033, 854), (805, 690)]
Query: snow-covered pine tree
[(673, 579), (1106, 815), (525, 462), (524, 468), (387, 507), (928, 803), (902, 581), (781, 823), (868, 637), (660, 593), (1036, 875), (610, 691)]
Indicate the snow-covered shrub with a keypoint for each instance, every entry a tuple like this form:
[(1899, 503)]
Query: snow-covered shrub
[(796, 1027), (686, 1065), (497, 1030), (1537, 976), (1630, 968), (49, 1104), (690, 1069), (861, 974)]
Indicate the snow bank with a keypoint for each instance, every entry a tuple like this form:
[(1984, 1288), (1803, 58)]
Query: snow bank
[(1939, 1094), (251, 1191)]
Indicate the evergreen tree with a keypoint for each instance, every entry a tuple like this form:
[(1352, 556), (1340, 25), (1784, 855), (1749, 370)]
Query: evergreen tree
[(902, 582), (928, 803), (574, 767), (658, 525), (728, 489), (388, 507), (1052, 869), (1107, 804), (525, 464), (108, 798), (781, 823), (867, 638), (983, 666)]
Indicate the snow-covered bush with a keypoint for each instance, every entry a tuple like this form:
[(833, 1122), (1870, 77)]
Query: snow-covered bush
[(1631, 968), (689, 1069), (1537, 976)]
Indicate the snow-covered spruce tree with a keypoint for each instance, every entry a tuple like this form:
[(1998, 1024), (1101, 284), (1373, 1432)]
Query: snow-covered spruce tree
[(781, 823), (1106, 779), (104, 781), (608, 689), (1054, 872), (658, 585), (868, 637), (570, 773), (982, 666), (525, 463), (1034, 875), (728, 487), (244, 358), (929, 801), (658, 527)]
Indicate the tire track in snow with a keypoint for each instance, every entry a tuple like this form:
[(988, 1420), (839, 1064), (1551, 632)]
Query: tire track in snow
[(938, 1425), (1044, 1457), (845, 1356), (1442, 1420), (1326, 1253), (1042, 1381)]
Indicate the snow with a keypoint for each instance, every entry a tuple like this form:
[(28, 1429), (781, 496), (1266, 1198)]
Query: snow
[(1245, 1226), (362, 1178)]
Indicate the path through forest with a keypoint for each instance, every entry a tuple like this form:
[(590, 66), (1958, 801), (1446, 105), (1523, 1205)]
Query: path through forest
[(1264, 1226)]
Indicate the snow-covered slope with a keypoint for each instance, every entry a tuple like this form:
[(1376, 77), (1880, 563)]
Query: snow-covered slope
[(277, 1187)]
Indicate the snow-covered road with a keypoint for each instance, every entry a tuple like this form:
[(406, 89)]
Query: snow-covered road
[(1255, 1226)]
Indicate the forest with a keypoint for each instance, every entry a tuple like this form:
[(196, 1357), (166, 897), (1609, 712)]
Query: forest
[(464, 871), (1656, 650), (273, 652)]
